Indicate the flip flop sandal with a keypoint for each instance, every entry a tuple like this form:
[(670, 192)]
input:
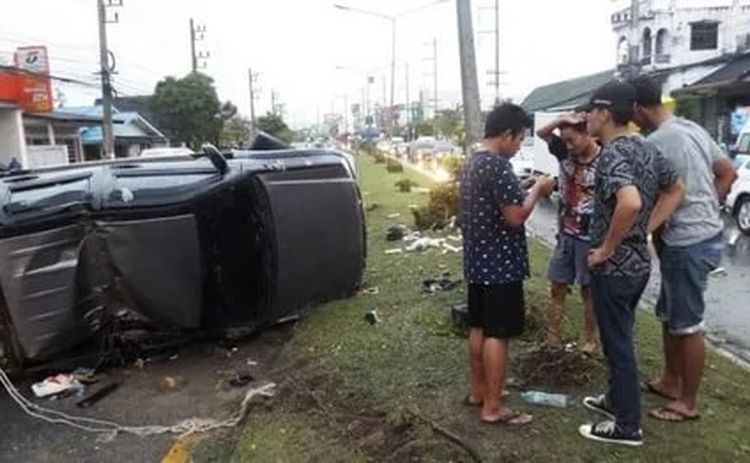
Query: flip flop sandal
[(470, 403), (512, 418), (647, 386), (670, 415)]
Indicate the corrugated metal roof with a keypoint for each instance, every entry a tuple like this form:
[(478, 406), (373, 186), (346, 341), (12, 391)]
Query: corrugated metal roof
[(566, 94)]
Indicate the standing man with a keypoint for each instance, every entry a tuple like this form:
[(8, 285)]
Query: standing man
[(630, 175), (578, 154), (493, 212), (689, 247)]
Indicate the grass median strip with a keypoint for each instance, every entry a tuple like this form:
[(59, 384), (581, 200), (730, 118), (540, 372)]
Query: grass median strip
[(350, 390)]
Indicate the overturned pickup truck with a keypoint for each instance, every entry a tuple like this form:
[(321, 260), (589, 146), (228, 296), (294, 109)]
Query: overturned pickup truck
[(179, 247)]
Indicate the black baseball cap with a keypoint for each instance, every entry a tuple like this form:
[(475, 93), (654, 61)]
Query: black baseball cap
[(615, 95)]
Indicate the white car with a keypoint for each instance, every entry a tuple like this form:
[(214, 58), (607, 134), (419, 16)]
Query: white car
[(164, 152), (738, 201)]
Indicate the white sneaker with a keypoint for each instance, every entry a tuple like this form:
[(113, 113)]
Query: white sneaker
[(609, 432)]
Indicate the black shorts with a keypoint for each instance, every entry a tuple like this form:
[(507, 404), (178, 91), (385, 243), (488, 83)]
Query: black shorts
[(497, 309)]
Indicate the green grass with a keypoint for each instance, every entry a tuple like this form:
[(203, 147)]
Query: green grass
[(414, 361)]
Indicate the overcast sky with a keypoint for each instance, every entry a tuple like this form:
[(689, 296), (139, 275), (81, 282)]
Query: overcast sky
[(296, 45)]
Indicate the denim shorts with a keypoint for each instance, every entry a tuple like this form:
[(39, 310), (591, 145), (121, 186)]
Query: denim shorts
[(684, 278), (569, 262)]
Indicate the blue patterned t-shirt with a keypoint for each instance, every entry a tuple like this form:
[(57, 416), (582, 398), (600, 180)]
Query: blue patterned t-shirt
[(494, 252)]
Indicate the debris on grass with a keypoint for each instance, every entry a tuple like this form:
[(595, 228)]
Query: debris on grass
[(393, 216), (390, 252), (544, 366), (374, 291), (372, 317), (441, 284), (397, 232)]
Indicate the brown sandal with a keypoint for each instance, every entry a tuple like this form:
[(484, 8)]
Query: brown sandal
[(672, 415)]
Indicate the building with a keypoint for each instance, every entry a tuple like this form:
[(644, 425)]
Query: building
[(133, 133)]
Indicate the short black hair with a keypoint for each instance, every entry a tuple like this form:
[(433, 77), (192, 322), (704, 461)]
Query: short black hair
[(580, 127), (647, 91), (622, 116), (506, 117)]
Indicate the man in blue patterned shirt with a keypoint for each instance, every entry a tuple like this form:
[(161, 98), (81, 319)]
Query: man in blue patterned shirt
[(636, 190), (494, 209)]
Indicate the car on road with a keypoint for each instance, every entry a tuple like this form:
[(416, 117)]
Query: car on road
[(738, 201), (163, 152)]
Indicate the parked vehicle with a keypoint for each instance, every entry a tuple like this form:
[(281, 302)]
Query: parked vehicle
[(738, 200), (165, 152)]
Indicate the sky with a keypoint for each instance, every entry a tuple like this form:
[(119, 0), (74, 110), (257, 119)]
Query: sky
[(314, 55)]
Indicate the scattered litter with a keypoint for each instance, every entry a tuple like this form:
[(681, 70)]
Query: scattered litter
[(393, 216), (140, 363), (455, 238), (85, 375), (171, 383), (252, 363), (372, 207), (447, 247), (241, 380), (372, 317), (389, 252), (424, 244), (174, 357), (444, 283), (719, 272), (55, 385), (733, 239), (98, 394), (549, 399), (420, 190), (374, 291), (397, 232)]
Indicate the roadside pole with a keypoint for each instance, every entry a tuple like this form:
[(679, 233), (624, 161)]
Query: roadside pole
[(469, 82)]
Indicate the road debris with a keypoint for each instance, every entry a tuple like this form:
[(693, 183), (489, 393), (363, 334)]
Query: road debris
[(241, 380), (374, 291), (548, 399), (393, 216), (98, 394), (423, 244), (719, 272), (372, 317), (442, 284), (397, 232), (171, 384), (57, 384), (390, 252)]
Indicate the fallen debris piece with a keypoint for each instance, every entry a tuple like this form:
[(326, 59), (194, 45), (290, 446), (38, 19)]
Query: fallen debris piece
[(444, 283), (372, 207), (241, 380), (98, 394), (390, 252), (424, 244), (372, 317), (393, 216), (447, 247), (397, 232), (374, 291), (455, 238), (420, 190), (54, 385)]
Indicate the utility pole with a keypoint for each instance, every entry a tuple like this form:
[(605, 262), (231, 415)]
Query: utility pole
[(197, 34), (497, 52), (391, 109), (273, 101), (252, 78), (469, 83), (408, 102), (108, 137), (434, 59)]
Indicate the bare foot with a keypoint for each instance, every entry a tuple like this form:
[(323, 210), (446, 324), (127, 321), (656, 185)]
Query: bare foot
[(661, 388), (507, 416)]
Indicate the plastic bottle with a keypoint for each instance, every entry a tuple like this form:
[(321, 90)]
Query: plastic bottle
[(545, 398)]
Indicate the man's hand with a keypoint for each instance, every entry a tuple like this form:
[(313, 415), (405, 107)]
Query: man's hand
[(598, 256), (573, 118), (546, 185)]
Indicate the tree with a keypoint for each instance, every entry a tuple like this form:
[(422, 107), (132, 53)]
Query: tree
[(274, 125), (450, 123), (188, 109), (236, 131)]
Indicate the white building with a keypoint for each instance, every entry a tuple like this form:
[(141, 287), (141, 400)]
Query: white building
[(688, 41)]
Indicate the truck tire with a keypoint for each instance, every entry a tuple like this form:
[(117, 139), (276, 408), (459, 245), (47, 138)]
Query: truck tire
[(742, 214)]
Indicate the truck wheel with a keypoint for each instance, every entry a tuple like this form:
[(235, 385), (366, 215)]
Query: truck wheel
[(743, 214)]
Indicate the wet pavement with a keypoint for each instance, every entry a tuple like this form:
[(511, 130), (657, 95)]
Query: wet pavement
[(728, 294)]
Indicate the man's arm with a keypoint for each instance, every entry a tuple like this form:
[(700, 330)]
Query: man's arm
[(669, 200), (626, 213), (724, 176), (516, 215)]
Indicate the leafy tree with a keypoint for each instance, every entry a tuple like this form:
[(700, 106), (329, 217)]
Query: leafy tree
[(236, 131), (424, 129), (274, 125), (189, 109)]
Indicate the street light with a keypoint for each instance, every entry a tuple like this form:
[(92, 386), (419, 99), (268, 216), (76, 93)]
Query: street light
[(392, 19)]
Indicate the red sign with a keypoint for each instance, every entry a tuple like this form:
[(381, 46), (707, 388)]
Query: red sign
[(35, 90)]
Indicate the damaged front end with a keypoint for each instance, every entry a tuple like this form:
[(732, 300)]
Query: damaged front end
[(92, 256)]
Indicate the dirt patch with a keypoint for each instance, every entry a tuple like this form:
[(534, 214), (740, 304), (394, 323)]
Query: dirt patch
[(540, 366)]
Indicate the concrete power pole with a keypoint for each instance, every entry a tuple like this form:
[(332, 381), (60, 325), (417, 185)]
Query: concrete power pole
[(408, 103), (197, 34), (469, 82), (251, 78), (108, 137), (433, 58), (633, 58), (497, 52)]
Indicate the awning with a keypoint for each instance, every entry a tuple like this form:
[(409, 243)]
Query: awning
[(730, 78)]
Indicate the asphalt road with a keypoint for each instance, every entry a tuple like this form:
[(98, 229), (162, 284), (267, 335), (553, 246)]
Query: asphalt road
[(728, 294)]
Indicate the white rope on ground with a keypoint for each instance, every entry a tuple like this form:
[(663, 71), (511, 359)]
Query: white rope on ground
[(183, 428)]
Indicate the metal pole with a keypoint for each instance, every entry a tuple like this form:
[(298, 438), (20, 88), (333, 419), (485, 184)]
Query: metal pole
[(252, 98), (393, 75), (497, 52), (273, 102), (469, 83), (408, 103), (435, 72), (634, 36), (193, 56), (108, 139)]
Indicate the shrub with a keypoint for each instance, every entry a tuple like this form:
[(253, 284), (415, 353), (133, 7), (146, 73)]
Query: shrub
[(443, 206), (405, 185), (454, 164), (378, 157), (393, 166)]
